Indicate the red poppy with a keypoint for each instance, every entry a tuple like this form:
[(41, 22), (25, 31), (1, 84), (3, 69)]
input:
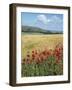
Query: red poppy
[(33, 55), (32, 51), (28, 55), (43, 52)]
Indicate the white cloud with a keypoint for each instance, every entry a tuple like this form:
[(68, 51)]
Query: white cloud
[(49, 20), (43, 19), (56, 19)]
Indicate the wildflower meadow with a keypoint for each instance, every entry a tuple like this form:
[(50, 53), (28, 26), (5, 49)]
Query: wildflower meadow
[(45, 62)]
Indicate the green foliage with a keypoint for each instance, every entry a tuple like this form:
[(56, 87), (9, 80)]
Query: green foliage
[(46, 68)]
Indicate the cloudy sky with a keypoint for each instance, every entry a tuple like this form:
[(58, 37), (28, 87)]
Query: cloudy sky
[(49, 21)]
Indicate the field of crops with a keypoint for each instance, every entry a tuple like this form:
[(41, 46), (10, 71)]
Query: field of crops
[(42, 55)]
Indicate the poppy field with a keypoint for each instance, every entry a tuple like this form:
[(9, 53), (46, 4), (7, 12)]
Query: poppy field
[(42, 55)]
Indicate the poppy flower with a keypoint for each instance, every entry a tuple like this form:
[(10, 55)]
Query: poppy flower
[(32, 51)]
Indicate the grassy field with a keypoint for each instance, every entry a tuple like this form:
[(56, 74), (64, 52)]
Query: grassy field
[(42, 55), (39, 42)]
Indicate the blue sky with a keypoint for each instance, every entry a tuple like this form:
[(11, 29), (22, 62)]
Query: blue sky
[(48, 21)]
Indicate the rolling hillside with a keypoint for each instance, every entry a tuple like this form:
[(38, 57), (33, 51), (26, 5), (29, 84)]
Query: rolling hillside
[(31, 29)]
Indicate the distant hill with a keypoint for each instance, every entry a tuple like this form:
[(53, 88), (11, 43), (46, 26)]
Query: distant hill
[(31, 29)]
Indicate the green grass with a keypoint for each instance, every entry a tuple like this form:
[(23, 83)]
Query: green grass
[(42, 69)]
